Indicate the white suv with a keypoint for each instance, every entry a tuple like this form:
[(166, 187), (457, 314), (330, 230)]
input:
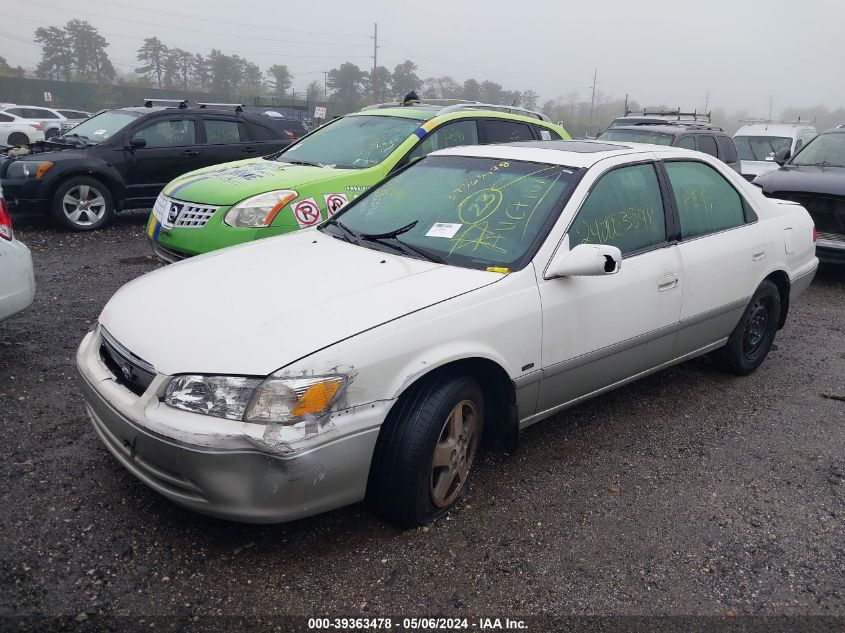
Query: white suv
[(52, 123), (763, 146)]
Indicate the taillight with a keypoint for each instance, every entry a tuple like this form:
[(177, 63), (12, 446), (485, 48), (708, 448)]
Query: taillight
[(814, 234), (37, 126), (5, 222)]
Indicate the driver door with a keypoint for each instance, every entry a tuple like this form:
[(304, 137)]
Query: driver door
[(172, 149), (599, 330)]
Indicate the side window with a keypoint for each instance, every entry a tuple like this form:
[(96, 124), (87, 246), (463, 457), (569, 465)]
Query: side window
[(687, 141), (5, 118), (798, 145), (448, 135), (225, 132), (727, 149), (502, 131), (38, 113), (624, 209), (707, 144), (261, 133), (16, 112), (169, 133), (545, 134), (706, 201)]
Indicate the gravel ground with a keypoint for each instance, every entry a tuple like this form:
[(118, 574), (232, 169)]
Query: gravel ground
[(689, 492)]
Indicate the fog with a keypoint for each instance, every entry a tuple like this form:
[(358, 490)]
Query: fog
[(736, 55)]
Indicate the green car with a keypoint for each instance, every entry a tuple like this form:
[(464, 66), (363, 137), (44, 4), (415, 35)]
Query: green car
[(312, 179)]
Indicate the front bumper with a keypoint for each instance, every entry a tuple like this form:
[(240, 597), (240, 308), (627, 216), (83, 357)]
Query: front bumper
[(191, 460), (27, 195)]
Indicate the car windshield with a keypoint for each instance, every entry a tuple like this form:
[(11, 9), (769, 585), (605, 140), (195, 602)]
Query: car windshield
[(761, 147), (470, 212), (827, 150), (352, 142), (104, 125), (637, 136)]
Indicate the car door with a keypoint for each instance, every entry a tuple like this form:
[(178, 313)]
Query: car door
[(722, 258), (171, 149), (226, 139), (600, 330)]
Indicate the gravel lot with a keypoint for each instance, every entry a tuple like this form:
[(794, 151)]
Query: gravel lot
[(689, 492)]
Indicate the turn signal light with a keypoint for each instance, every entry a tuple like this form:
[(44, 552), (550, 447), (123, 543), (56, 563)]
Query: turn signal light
[(814, 234), (5, 222)]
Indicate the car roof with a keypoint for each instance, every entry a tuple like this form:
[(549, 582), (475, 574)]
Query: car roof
[(773, 129), (670, 129), (160, 109), (569, 153), (406, 112)]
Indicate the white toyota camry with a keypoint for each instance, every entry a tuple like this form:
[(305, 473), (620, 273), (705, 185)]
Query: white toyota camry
[(470, 295)]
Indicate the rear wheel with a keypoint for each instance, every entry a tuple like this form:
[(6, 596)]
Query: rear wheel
[(83, 204), (752, 338), (51, 132), (18, 138), (425, 453)]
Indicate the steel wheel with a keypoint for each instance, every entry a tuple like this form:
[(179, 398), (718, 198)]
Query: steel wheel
[(757, 327), (84, 205), (454, 454)]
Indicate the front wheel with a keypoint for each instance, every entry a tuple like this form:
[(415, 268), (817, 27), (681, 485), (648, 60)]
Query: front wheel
[(425, 453), (752, 338), (83, 204)]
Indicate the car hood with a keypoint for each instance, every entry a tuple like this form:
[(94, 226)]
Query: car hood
[(791, 178), (251, 309), (226, 184)]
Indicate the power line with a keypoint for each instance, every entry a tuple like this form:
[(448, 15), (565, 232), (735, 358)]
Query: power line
[(227, 22), (182, 28)]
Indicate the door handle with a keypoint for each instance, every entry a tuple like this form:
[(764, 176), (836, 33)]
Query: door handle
[(759, 252), (190, 152), (667, 282), (249, 150)]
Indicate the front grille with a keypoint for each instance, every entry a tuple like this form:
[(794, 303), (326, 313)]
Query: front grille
[(175, 213), (128, 370), (828, 212)]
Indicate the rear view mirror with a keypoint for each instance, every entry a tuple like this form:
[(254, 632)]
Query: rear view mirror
[(782, 156), (585, 260), (138, 142)]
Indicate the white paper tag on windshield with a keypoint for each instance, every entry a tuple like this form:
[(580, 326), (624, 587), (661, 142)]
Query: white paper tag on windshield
[(545, 135), (443, 229)]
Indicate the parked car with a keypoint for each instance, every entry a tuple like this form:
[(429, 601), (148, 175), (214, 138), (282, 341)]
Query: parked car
[(314, 177), (17, 281), (74, 116), (121, 159), (16, 131), (52, 123), (660, 117), (815, 178), (705, 139), (762, 143), (294, 128), (470, 295)]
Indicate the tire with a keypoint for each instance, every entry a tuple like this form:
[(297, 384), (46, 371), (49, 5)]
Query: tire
[(426, 450), (51, 133), (752, 338), (82, 203), (18, 138)]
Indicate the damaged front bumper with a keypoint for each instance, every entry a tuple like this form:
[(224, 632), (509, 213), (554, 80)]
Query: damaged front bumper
[(225, 468)]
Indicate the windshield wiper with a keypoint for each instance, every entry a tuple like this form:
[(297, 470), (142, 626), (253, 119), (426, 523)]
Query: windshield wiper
[(399, 245), (352, 236), (282, 159)]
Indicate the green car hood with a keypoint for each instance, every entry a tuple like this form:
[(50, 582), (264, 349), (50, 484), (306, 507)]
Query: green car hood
[(226, 184)]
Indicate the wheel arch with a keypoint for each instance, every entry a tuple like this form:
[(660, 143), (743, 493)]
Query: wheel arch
[(114, 186), (781, 280)]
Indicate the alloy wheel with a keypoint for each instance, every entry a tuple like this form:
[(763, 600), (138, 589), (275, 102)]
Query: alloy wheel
[(454, 453)]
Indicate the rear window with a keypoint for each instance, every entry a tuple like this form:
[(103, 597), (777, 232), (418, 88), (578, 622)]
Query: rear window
[(262, 133), (707, 144), (506, 131)]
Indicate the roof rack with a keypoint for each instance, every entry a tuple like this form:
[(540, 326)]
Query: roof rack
[(181, 103), (695, 115), (475, 105), (776, 121), (239, 107)]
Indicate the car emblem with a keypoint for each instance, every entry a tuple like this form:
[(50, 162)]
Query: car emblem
[(175, 210)]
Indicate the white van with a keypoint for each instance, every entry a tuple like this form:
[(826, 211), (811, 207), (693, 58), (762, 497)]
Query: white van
[(760, 143)]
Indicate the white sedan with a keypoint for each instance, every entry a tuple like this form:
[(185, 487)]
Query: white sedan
[(17, 282), (477, 292), (17, 131)]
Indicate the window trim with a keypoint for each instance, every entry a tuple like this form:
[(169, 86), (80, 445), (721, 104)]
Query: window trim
[(668, 222), (748, 213)]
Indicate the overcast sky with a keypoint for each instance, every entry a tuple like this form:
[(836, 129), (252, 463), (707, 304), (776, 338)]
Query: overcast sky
[(740, 51)]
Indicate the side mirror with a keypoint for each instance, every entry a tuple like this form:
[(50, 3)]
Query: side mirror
[(585, 260), (782, 156), (137, 142)]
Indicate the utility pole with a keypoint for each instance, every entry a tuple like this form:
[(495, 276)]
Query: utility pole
[(325, 88), (706, 102), (593, 98), (375, 60)]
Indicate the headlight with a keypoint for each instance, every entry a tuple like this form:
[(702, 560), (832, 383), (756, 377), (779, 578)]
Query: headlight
[(28, 169), (259, 211), (276, 400)]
